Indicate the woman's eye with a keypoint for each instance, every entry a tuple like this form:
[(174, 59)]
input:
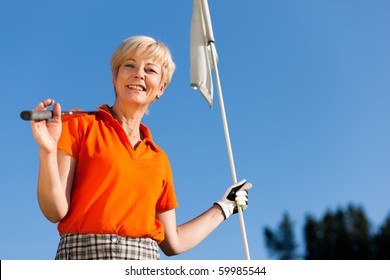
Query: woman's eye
[(151, 70)]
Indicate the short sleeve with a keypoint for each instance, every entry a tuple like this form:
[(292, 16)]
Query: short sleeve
[(70, 136), (167, 199)]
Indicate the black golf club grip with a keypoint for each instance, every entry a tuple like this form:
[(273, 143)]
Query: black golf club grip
[(35, 115)]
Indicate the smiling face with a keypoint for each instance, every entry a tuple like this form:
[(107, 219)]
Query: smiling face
[(141, 69), (139, 81), (143, 46)]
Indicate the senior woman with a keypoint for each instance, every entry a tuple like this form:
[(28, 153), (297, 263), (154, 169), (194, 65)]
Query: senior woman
[(106, 182)]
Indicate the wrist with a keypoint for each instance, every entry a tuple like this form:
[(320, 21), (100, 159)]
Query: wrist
[(43, 153), (220, 209)]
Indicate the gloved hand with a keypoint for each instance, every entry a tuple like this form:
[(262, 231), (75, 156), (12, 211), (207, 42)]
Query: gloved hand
[(235, 196)]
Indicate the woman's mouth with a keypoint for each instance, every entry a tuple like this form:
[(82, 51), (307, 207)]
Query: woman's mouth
[(136, 87)]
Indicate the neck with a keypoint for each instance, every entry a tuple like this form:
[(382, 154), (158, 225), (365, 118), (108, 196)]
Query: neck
[(130, 122)]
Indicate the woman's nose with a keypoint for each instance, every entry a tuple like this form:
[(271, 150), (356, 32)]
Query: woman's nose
[(139, 73)]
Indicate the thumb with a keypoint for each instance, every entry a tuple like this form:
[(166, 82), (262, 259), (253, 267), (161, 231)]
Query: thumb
[(247, 186), (56, 112)]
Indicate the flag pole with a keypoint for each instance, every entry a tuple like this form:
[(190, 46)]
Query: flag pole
[(229, 147), (209, 40)]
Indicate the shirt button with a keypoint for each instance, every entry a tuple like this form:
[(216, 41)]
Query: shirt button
[(114, 238)]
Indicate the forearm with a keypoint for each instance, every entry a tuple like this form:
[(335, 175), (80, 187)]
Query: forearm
[(194, 231), (191, 233), (51, 192), (186, 236)]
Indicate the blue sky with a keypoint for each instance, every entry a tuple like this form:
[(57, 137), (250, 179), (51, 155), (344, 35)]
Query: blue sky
[(306, 87)]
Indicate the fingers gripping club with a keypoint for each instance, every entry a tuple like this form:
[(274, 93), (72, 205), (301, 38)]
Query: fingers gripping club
[(234, 197)]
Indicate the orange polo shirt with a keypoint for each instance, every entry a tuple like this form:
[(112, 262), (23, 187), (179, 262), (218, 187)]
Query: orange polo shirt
[(116, 189)]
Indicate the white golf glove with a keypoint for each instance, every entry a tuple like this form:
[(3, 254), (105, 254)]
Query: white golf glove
[(235, 196)]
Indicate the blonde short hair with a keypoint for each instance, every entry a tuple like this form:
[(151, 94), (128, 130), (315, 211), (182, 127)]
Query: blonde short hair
[(143, 45)]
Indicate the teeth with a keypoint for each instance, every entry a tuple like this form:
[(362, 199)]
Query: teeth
[(135, 87)]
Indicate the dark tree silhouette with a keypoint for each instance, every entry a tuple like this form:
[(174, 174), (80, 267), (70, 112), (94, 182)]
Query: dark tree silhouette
[(339, 235), (281, 242), (344, 234), (381, 241)]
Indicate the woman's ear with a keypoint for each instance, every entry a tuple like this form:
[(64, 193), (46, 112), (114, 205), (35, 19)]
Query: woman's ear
[(162, 88)]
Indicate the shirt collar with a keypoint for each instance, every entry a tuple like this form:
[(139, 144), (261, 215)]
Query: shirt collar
[(106, 112)]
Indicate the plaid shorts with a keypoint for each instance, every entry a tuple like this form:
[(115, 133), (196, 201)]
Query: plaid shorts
[(74, 246)]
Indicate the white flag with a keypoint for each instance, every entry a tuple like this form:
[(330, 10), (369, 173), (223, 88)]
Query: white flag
[(200, 50)]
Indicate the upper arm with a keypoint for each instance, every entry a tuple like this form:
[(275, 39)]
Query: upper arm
[(66, 168), (170, 243)]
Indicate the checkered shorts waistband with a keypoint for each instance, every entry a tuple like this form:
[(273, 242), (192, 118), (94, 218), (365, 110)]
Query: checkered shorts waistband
[(75, 246)]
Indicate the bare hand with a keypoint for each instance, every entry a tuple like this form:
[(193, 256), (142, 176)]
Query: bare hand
[(47, 132)]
